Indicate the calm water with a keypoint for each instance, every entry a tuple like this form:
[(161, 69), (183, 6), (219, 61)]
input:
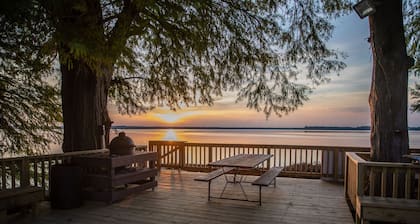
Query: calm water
[(260, 136), (253, 136)]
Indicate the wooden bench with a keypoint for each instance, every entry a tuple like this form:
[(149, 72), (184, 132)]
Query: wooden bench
[(18, 198), (397, 210), (267, 178), (213, 175)]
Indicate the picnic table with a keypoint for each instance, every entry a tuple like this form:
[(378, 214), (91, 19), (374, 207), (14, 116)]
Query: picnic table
[(232, 165)]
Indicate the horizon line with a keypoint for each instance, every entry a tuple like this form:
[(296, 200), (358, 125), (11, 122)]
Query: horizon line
[(365, 127)]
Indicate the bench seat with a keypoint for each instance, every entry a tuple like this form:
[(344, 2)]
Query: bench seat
[(214, 174), (267, 178), (387, 209)]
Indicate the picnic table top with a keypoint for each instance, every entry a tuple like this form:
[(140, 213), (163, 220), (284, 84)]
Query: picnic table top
[(242, 161)]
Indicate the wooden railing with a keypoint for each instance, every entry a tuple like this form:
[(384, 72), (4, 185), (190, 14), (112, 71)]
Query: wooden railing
[(26, 171), (366, 180), (298, 161)]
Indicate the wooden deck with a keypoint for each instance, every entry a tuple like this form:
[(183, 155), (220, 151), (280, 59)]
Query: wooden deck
[(179, 199)]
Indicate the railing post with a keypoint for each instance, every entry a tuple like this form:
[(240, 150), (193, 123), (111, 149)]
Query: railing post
[(182, 155), (269, 160), (3, 176), (159, 154), (335, 167), (360, 179), (346, 175), (210, 154), (24, 173)]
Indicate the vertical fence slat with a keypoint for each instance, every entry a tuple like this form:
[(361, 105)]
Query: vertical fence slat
[(408, 183), (395, 183), (13, 174), (24, 173), (372, 182), (384, 174), (418, 187), (3, 176)]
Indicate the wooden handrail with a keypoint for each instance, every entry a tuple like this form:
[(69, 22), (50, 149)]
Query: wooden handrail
[(54, 155), (380, 179)]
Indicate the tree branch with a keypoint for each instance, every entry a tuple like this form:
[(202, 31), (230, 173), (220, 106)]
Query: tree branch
[(121, 31)]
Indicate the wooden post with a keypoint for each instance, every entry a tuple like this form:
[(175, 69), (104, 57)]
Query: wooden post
[(384, 182), (3, 176), (335, 166), (395, 183), (182, 155), (347, 176), (24, 175), (372, 180), (210, 154), (360, 179), (159, 156), (408, 183)]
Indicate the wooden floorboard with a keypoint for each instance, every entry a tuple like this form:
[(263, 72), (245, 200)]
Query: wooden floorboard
[(179, 199)]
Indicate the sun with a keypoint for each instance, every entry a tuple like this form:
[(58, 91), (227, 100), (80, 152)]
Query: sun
[(172, 118)]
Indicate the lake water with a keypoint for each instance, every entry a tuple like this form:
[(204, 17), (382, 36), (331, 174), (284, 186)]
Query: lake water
[(260, 136), (358, 138)]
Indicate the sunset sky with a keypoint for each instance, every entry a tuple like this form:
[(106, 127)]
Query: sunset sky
[(341, 102)]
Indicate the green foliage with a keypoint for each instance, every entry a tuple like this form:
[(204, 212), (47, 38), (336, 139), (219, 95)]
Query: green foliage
[(412, 32), (29, 105), (187, 52), (415, 95), (153, 53)]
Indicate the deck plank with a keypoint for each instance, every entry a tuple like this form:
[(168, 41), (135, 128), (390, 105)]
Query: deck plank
[(180, 199)]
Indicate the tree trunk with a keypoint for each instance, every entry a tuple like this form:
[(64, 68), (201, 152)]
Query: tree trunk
[(84, 102), (388, 95), (86, 73)]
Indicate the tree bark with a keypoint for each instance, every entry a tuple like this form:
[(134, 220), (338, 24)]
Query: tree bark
[(388, 95), (84, 103)]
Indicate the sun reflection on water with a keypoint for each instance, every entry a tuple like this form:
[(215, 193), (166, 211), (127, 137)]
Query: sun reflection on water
[(170, 135)]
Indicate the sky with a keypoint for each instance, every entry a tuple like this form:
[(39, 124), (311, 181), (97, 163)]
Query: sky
[(341, 102)]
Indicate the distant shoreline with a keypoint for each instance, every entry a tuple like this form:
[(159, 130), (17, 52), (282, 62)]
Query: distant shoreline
[(307, 128)]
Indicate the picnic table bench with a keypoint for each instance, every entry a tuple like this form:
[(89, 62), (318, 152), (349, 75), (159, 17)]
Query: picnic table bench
[(267, 178), (213, 175)]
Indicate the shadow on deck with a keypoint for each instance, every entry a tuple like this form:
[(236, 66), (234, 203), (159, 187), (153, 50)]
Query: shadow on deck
[(179, 199)]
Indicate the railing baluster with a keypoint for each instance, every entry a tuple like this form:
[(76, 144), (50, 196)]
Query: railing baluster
[(372, 181), (285, 158), (408, 183), (418, 186), (13, 174), (383, 181), (24, 173), (312, 165), (301, 161), (395, 183), (35, 173), (3, 176), (296, 160)]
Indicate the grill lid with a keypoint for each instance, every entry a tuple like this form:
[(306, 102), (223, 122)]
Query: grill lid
[(122, 145)]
